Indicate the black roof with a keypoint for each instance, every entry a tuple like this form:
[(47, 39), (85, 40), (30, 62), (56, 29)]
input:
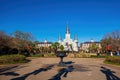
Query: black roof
[(45, 43), (90, 42)]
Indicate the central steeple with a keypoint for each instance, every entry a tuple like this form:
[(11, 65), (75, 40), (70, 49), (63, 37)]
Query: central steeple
[(67, 29), (67, 36)]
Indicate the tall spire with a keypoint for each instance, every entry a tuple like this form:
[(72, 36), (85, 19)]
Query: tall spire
[(67, 29), (59, 38), (75, 37)]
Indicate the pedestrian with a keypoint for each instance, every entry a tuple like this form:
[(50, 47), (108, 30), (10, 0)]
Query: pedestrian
[(117, 53), (111, 53)]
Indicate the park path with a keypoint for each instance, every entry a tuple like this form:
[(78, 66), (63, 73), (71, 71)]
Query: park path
[(48, 69)]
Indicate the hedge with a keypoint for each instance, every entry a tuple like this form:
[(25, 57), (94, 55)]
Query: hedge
[(113, 60), (11, 59)]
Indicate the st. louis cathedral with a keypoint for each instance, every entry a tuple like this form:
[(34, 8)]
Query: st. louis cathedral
[(68, 43)]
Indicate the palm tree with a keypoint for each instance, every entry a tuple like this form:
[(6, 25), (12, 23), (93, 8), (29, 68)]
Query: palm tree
[(71, 48), (61, 47), (55, 46), (93, 48)]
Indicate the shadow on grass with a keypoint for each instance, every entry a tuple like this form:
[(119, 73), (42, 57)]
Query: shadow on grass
[(33, 73), (109, 74)]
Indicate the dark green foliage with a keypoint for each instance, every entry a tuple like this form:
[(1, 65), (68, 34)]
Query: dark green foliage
[(49, 55), (100, 56), (36, 55), (113, 60), (15, 43), (93, 48), (45, 55), (13, 51), (11, 59), (61, 47), (82, 55), (25, 52), (55, 46)]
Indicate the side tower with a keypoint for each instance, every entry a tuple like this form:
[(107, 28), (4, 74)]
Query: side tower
[(60, 40), (75, 43)]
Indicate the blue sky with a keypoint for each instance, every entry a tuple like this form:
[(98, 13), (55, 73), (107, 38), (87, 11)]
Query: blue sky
[(46, 19)]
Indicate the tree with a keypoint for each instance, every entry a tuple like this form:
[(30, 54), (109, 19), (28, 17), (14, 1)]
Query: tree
[(6, 43), (112, 39), (55, 46), (23, 35), (50, 49), (93, 47), (18, 41), (22, 40), (61, 47), (71, 48), (36, 42), (5, 40)]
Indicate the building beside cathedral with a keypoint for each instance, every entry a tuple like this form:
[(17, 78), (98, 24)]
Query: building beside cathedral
[(86, 45), (44, 44), (68, 43)]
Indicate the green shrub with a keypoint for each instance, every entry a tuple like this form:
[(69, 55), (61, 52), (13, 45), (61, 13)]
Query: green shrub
[(49, 55), (81, 55), (113, 60), (36, 55), (88, 55), (11, 59), (46, 55), (100, 56)]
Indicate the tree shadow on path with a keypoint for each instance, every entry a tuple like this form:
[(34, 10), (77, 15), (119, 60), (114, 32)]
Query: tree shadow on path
[(109, 74), (10, 74), (33, 73), (63, 72), (7, 68), (69, 62), (4, 71), (9, 71)]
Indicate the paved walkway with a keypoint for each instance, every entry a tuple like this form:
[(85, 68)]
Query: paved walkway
[(48, 69)]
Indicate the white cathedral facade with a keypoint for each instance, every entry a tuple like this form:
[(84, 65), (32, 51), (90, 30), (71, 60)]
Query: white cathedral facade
[(68, 43)]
